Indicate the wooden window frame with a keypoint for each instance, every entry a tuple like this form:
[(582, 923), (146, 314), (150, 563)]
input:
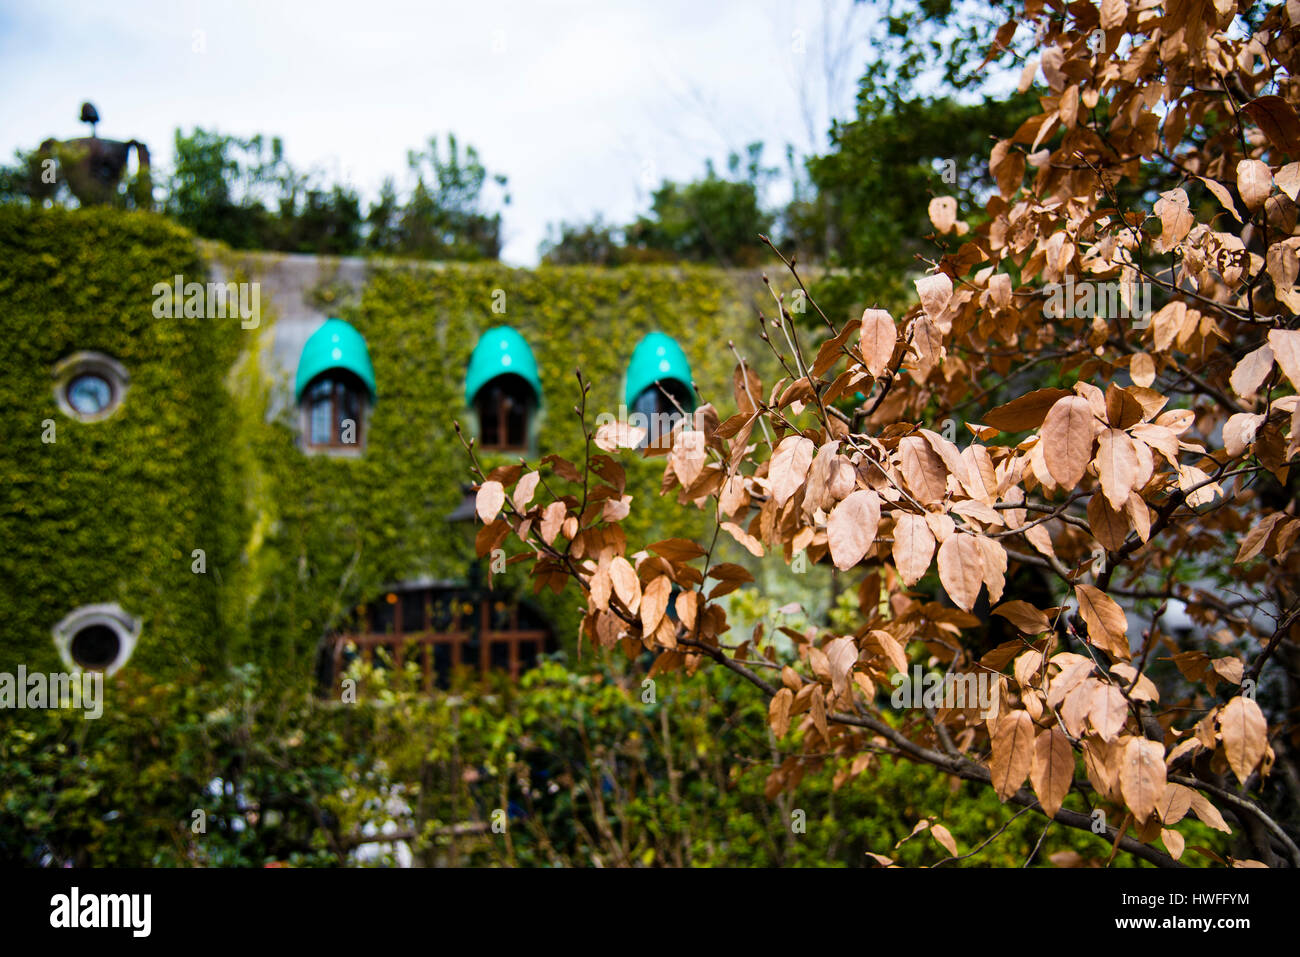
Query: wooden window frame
[(418, 640), (340, 388), (501, 413)]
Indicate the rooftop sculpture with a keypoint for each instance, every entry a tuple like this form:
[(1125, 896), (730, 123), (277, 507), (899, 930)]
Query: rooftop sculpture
[(93, 168)]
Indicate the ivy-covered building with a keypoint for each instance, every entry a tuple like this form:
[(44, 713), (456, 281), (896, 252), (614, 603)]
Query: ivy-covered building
[(183, 488)]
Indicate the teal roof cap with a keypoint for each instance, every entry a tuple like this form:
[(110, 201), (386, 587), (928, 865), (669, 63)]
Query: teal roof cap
[(500, 351), (656, 357), (335, 345)]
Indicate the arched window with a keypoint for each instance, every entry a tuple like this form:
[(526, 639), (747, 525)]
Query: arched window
[(663, 404), (503, 389), (504, 407), (335, 389), (658, 389), (333, 411)]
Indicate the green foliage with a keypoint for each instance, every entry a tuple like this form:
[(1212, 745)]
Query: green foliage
[(596, 243), (886, 165), (112, 510), (222, 185), (714, 219), (244, 193), (20, 182), (445, 218), (584, 769)]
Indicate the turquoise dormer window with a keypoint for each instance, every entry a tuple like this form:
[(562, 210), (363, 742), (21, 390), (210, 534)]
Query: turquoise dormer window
[(658, 391), (503, 388), (335, 388)]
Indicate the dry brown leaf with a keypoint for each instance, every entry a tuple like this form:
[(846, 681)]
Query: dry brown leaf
[(1026, 412), (1239, 432), (1142, 776), (552, 519), (1174, 803), (487, 503), (943, 213), (1107, 712), (879, 335), (935, 292), (1287, 179), (618, 435), (923, 469), (751, 544), (1107, 624), (944, 837), (789, 466), (1024, 616), (851, 528), (886, 644), (778, 712), (1277, 118), (1067, 435), (1254, 182), (1222, 195), (961, 569), (1285, 344), (1176, 219), (842, 654), (1052, 770), (1245, 735), (1251, 371), (654, 603), (1012, 753), (626, 585), (1208, 813), (1109, 526), (1113, 13), (1142, 369), (913, 547), (1117, 466)]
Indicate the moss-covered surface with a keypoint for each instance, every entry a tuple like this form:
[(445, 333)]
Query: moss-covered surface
[(112, 511)]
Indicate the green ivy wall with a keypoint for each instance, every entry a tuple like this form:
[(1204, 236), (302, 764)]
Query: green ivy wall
[(111, 511)]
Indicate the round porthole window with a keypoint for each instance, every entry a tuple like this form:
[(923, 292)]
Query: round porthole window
[(96, 638), (89, 386)]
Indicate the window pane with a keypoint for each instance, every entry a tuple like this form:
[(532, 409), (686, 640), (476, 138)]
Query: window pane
[(89, 394), (489, 419), (349, 407), (320, 422), (504, 406), (517, 425)]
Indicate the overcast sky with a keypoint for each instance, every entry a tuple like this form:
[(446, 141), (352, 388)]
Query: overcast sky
[(584, 106)]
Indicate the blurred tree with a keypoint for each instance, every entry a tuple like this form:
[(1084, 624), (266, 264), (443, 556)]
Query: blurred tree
[(221, 184), (445, 216), (713, 219), (596, 242), (921, 130)]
